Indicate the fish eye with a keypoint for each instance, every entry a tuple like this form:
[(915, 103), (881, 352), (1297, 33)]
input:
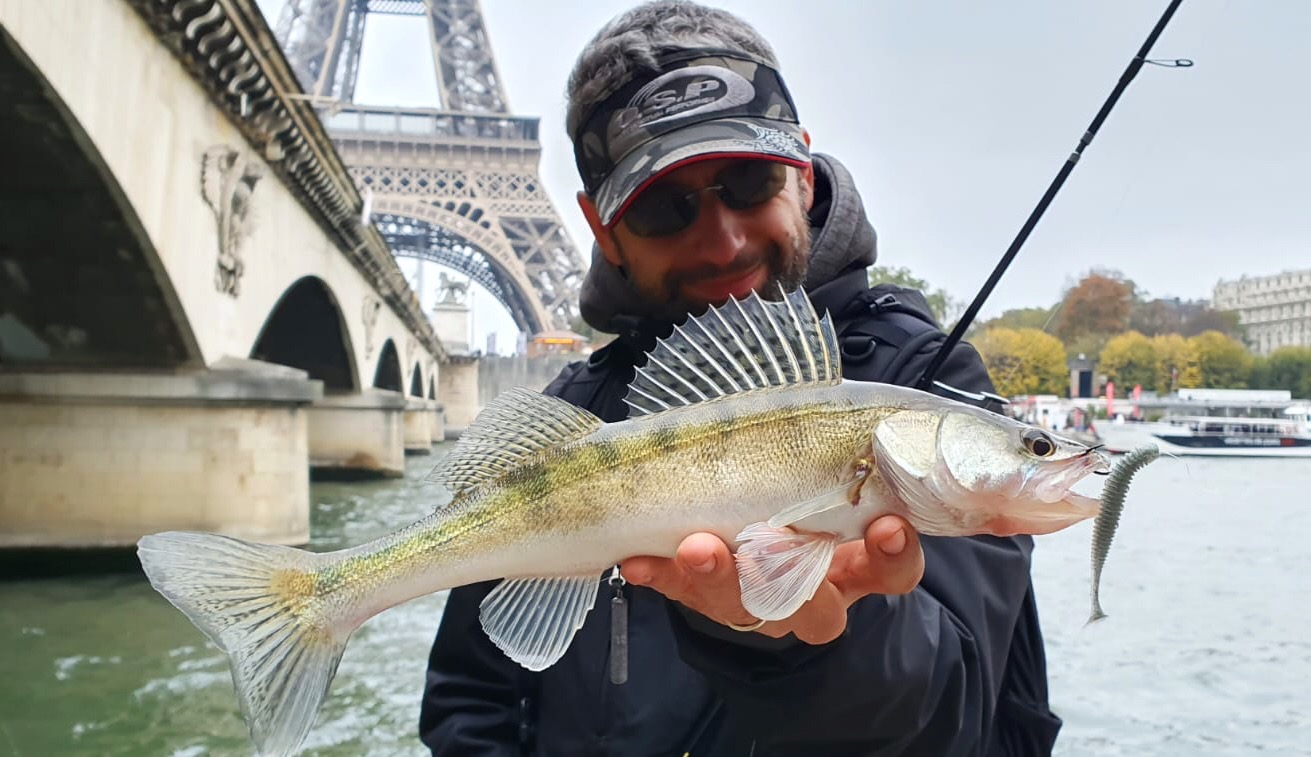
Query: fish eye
[(1038, 443)]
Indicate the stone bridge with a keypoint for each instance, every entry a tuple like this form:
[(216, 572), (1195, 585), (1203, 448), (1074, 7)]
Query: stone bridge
[(193, 313)]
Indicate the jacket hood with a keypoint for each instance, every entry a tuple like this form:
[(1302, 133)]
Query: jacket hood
[(840, 237)]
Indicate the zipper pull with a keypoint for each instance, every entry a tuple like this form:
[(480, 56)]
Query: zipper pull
[(618, 629)]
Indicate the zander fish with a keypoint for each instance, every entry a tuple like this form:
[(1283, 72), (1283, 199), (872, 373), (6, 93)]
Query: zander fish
[(741, 425)]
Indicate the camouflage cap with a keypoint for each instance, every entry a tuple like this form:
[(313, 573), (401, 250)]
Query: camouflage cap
[(700, 104)]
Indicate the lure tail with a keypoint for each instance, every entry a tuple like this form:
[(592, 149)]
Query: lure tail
[(258, 603)]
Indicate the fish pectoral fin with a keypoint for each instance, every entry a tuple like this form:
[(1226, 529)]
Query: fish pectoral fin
[(779, 569), (533, 620), (838, 496)]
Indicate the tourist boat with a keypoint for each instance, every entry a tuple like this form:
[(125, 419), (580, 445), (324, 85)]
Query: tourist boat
[(1221, 423)]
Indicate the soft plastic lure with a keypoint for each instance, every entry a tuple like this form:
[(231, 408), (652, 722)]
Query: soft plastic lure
[(1113, 493)]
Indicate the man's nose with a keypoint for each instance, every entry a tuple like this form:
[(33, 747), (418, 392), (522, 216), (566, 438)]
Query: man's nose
[(720, 231)]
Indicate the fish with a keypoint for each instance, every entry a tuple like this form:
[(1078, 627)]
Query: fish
[(741, 424), (1113, 494)]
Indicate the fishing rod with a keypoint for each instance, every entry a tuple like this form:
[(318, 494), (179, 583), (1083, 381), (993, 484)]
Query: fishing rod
[(926, 381)]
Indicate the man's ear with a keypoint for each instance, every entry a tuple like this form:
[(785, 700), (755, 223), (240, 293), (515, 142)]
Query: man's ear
[(605, 238)]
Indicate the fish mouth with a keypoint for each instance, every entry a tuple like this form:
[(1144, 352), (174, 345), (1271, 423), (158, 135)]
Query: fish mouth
[(1051, 505), (1054, 484)]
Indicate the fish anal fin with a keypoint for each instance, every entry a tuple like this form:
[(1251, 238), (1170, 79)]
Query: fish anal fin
[(516, 425), (779, 570), (533, 620)]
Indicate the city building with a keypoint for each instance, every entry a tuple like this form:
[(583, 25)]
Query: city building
[(1275, 311)]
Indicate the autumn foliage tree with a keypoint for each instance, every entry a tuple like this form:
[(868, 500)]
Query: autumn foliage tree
[(1024, 361), (1099, 305), (1129, 359), (1176, 364), (1224, 362)]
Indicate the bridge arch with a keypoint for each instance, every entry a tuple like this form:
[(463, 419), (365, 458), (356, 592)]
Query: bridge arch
[(416, 381), (306, 330), (388, 373), (460, 239), (80, 280)]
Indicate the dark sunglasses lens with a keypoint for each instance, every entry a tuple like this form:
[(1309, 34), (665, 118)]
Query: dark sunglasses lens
[(751, 182), (661, 210)]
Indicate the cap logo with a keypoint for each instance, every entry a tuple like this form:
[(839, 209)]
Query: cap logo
[(684, 93)]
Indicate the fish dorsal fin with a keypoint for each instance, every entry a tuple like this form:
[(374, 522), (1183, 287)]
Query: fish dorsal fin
[(517, 424), (737, 347)]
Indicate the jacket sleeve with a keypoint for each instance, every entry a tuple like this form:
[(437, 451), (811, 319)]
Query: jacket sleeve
[(473, 694), (918, 673), (470, 700)]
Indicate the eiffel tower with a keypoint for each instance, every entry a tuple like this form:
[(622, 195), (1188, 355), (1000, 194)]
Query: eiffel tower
[(457, 185)]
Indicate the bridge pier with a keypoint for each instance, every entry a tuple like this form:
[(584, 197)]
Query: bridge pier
[(98, 460), (458, 388), (437, 421), (418, 427), (358, 435)]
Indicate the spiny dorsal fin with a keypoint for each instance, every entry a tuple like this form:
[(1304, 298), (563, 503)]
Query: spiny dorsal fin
[(517, 424), (739, 346)]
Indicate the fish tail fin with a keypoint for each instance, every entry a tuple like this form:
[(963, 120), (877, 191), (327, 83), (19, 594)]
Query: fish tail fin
[(259, 604)]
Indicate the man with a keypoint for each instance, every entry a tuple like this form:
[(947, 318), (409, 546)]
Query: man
[(699, 185)]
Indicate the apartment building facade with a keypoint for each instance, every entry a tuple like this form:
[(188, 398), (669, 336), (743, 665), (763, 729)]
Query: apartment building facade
[(1274, 310)]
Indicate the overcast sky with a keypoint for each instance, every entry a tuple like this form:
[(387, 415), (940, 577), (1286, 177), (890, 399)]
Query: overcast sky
[(954, 116)]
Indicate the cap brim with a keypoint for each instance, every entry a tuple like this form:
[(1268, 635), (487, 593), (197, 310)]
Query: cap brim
[(727, 137)]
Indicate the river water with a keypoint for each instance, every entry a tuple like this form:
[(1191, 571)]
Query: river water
[(1206, 651)]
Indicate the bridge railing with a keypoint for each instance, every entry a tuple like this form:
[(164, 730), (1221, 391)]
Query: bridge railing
[(422, 123)]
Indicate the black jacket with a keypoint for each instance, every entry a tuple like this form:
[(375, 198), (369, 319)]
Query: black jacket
[(955, 667)]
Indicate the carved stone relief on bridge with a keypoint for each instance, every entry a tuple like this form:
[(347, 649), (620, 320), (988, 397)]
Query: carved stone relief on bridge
[(227, 180), (372, 305)]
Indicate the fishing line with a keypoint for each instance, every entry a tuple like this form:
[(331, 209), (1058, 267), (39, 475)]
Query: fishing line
[(926, 380)]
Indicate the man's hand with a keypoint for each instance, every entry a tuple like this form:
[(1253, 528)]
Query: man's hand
[(703, 577)]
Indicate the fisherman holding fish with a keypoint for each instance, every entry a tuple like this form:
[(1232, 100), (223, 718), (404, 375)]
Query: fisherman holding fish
[(699, 186), (735, 530)]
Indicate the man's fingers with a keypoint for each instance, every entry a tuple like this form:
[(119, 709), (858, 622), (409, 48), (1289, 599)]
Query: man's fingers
[(822, 619), (702, 574), (706, 555), (890, 561), (659, 573)]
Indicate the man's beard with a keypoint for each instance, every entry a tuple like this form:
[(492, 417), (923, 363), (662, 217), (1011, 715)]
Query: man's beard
[(786, 274)]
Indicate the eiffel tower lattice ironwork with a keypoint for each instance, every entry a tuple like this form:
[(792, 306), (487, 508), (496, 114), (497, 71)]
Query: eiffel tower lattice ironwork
[(457, 185)]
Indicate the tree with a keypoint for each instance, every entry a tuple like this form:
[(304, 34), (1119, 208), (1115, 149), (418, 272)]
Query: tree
[(1024, 361), (1019, 318), (1202, 319), (1285, 368), (1099, 304), (1176, 364), (1171, 315), (1087, 345), (941, 303), (1224, 362), (1129, 359)]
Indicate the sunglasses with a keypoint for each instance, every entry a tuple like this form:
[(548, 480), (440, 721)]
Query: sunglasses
[(666, 208)]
